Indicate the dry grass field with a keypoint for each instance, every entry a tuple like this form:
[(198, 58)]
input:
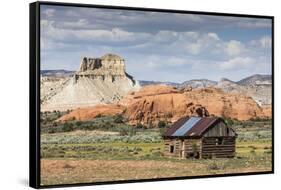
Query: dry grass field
[(101, 150), (83, 171)]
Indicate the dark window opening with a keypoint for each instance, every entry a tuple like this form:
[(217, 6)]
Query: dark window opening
[(172, 149), (219, 141), (227, 131)]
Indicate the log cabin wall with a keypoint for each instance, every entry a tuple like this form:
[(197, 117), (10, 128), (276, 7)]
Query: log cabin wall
[(209, 138), (218, 141), (219, 147), (172, 147), (219, 130), (191, 147)]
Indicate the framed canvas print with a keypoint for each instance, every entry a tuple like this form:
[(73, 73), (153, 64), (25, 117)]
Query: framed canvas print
[(123, 94)]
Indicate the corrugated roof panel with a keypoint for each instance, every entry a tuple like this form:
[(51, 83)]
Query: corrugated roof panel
[(176, 126), (186, 126), (201, 126)]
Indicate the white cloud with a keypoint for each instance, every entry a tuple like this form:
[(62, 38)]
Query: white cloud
[(257, 23), (237, 63), (263, 43), (214, 36), (51, 33), (181, 43), (165, 61), (234, 48), (49, 12)]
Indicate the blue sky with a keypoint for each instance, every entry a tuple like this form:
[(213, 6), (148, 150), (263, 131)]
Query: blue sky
[(157, 46)]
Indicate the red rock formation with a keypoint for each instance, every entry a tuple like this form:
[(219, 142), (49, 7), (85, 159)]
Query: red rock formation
[(157, 103), (84, 114)]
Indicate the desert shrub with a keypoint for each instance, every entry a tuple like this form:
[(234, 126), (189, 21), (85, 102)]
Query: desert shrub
[(99, 115), (127, 130), (78, 123), (106, 125), (69, 138), (268, 152), (229, 121), (162, 131), (253, 151), (149, 125), (162, 124), (118, 118), (140, 126), (67, 166), (252, 147), (157, 153), (51, 131), (215, 166), (67, 127)]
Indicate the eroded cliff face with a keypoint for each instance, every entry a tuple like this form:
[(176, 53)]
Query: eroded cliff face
[(97, 81), (108, 67), (155, 103)]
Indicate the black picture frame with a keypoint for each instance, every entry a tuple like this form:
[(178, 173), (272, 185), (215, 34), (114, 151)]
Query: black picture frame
[(34, 91)]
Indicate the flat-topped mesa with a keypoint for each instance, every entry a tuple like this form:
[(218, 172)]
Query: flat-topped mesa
[(109, 66), (98, 81)]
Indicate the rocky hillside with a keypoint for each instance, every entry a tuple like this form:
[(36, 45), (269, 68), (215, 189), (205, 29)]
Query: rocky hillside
[(98, 81), (146, 83), (154, 103), (84, 114), (256, 80), (257, 86), (56, 73), (198, 83)]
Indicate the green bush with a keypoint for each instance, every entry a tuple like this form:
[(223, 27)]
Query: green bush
[(78, 123), (140, 126), (118, 118), (213, 166), (162, 124), (127, 130), (67, 127)]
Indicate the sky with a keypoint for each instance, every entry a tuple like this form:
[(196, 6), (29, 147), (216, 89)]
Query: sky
[(155, 45)]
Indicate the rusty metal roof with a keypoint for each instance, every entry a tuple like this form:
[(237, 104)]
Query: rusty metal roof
[(190, 127), (176, 126), (185, 128)]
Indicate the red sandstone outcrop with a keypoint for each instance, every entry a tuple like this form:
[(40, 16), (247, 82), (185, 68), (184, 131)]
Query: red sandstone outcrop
[(154, 103)]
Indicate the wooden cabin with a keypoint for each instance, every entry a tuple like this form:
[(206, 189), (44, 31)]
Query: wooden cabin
[(200, 137)]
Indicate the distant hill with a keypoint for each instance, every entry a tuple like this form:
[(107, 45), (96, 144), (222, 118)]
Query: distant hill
[(198, 83), (257, 86), (57, 73), (256, 79), (146, 82)]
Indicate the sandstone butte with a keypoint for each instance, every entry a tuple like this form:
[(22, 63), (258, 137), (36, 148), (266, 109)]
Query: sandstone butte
[(98, 81), (154, 103)]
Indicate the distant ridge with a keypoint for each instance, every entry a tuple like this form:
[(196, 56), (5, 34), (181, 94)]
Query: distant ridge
[(257, 86), (256, 79), (56, 73)]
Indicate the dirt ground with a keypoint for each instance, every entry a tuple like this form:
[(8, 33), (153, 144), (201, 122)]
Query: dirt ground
[(83, 171)]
